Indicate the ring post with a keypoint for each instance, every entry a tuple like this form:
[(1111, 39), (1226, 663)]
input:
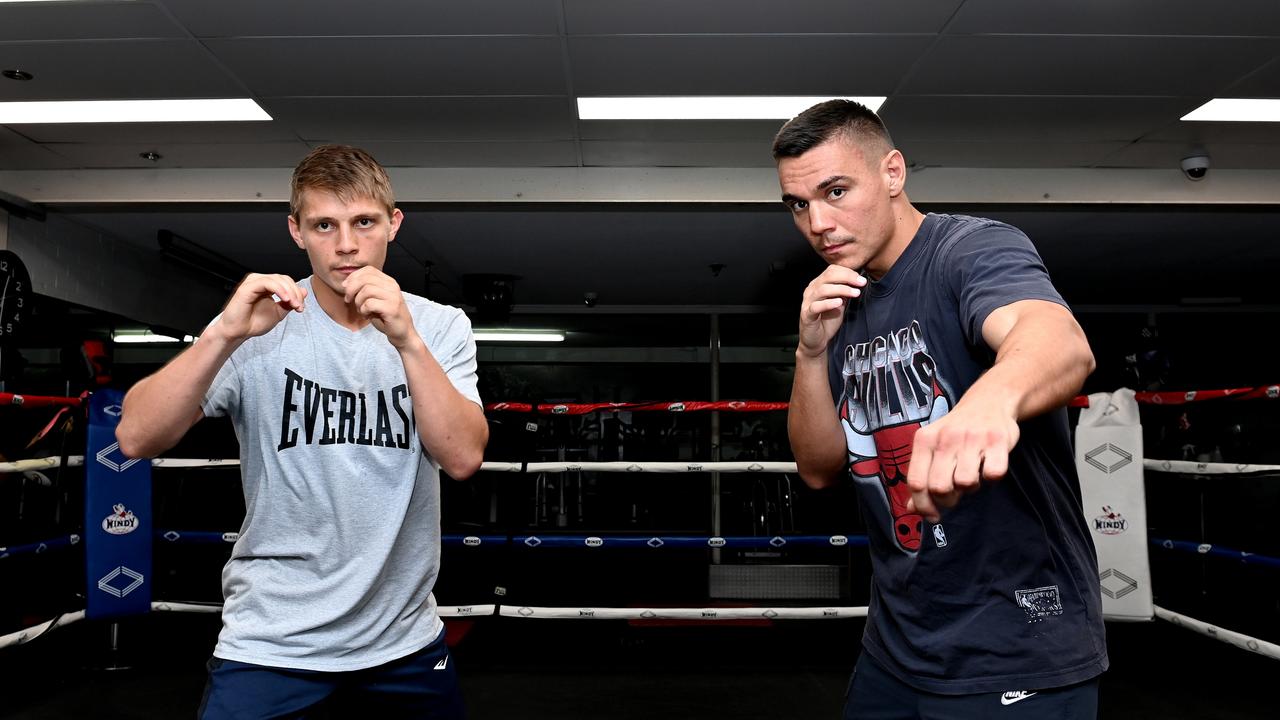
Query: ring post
[(117, 520)]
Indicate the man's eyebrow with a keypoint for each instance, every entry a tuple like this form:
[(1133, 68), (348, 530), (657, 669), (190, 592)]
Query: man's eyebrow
[(788, 197), (832, 180)]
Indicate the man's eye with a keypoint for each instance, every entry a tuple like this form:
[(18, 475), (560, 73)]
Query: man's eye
[(836, 193), (323, 226), (365, 222), (799, 205)]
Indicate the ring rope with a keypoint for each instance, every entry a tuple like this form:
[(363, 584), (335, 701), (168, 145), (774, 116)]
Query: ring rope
[(653, 542), (1187, 467), (1240, 640), (639, 467), (1180, 467), (36, 401), (26, 635), (1267, 392), (677, 406), (590, 541), (36, 548), (713, 613), (1245, 558), (22, 637)]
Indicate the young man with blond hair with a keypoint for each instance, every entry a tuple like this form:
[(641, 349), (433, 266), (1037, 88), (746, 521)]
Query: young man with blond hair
[(348, 396)]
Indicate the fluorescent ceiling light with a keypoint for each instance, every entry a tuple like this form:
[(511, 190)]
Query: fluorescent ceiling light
[(1237, 110), (147, 336), (504, 335), (127, 111), (704, 108)]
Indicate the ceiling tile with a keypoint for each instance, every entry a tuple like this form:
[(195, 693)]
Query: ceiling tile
[(759, 131), (83, 21), (149, 134), (424, 119), (205, 155), (1086, 65), (318, 67), (1029, 119), (1263, 82), (284, 18), (614, 153), (105, 69), (475, 154), (1223, 154), (741, 65), (628, 17), (1107, 17), (19, 153), (999, 154)]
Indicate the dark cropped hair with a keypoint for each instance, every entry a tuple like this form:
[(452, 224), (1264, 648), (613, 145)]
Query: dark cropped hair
[(823, 121)]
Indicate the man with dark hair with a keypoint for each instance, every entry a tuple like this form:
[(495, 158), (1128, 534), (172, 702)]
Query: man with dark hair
[(934, 364), (348, 396)]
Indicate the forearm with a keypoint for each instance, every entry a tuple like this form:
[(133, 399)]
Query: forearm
[(160, 408), (813, 426), (1040, 366), (452, 427)]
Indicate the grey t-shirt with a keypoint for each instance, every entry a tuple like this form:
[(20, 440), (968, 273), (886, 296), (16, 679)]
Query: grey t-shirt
[(340, 545)]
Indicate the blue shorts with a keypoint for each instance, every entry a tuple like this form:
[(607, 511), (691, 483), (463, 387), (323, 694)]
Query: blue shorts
[(875, 694), (422, 685)]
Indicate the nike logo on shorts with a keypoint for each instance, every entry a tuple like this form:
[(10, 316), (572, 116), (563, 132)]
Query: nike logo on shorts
[(1014, 696)]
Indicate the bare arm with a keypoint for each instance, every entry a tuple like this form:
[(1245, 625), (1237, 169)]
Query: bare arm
[(162, 407), (1042, 357), (813, 426), (452, 428), (1042, 360)]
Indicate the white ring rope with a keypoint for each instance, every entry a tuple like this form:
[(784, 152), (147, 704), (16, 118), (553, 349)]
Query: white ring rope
[(1181, 467), (78, 460), (1244, 642), (25, 636), (22, 637), (717, 613), (1186, 467)]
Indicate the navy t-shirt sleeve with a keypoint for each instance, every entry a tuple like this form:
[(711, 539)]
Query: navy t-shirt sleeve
[(993, 266)]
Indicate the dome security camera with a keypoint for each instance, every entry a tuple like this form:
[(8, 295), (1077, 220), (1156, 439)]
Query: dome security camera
[(1195, 167)]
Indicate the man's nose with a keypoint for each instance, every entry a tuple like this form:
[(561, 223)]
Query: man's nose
[(819, 219)]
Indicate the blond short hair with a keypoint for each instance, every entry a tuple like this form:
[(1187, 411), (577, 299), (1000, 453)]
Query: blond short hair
[(345, 171)]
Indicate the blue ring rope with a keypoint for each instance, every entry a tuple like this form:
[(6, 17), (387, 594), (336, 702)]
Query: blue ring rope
[(1243, 557)]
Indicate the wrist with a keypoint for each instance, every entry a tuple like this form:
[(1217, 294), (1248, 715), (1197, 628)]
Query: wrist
[(215, 337), (410, 345), (811, 357)]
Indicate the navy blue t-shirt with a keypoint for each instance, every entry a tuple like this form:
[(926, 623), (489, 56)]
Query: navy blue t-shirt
[(1003, 593)]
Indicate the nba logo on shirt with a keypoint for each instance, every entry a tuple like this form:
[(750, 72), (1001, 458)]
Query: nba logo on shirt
[(939, 536)]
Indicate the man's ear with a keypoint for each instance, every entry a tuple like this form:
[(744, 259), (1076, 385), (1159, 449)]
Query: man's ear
[(296, 232), (397, 217), (894, 167)]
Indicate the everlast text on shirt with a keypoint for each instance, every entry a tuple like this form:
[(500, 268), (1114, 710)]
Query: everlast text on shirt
[(330, 416)]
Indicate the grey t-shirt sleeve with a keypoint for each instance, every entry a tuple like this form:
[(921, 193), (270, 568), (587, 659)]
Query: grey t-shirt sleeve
[(455, 350), (993, 266)]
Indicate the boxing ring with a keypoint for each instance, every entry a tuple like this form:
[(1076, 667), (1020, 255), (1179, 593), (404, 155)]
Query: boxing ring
[(1113, 468)]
